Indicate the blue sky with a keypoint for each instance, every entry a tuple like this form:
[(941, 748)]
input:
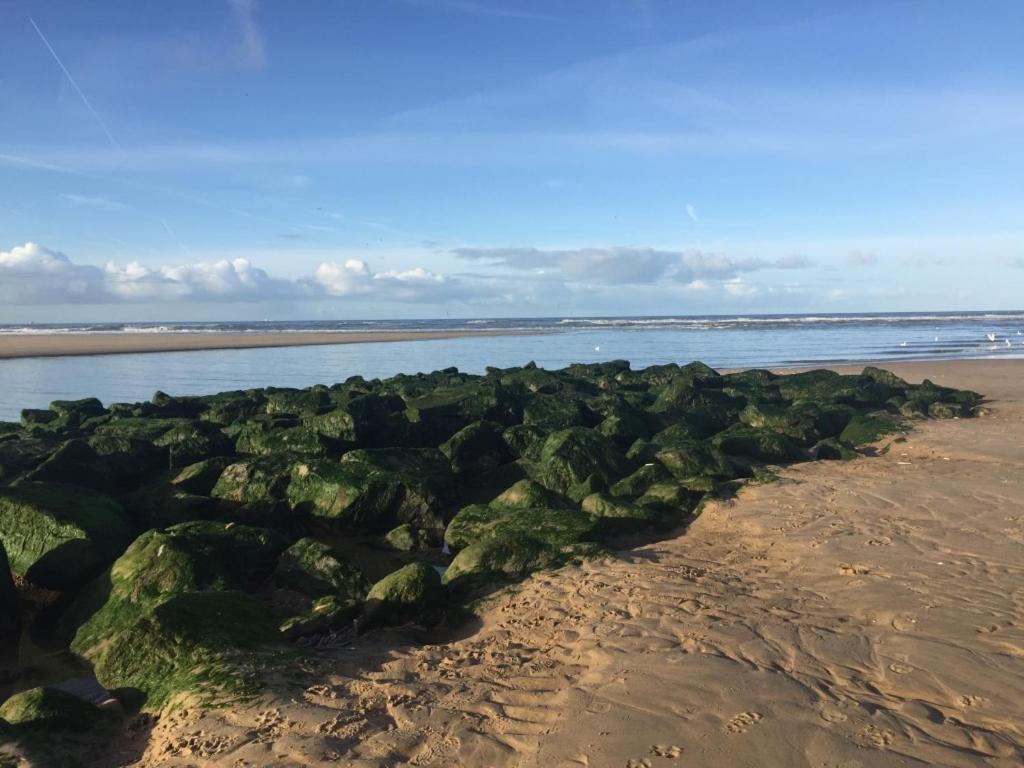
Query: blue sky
[(237, 159)]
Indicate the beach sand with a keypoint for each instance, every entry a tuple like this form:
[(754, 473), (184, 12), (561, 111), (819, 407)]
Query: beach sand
[(56, 345), (868, 613)]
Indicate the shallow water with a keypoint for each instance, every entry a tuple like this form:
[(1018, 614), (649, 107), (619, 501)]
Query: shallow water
[(720, 342)]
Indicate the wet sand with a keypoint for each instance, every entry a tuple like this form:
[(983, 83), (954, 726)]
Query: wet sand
[(857, 614), (57, 345)]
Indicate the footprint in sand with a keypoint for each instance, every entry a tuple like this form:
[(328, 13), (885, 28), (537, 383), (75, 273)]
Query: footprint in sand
[(831, 714), (642, 762), (900, 669), (670, 751), (743, 721), (881, 541), (904, 623), (879, 738), (853, 569), (970, 701)]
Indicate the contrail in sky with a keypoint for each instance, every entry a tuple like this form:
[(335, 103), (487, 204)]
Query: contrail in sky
[(81, 93)]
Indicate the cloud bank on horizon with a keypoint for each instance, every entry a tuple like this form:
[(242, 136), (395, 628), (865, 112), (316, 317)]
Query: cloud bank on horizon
[(614, 158)]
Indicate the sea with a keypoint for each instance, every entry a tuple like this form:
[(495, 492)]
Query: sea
[(777, 341)]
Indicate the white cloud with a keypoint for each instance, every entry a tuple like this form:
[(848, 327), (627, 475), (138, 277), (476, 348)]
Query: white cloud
[(232, 280), (34, 274), (692, 213), (737, 286), (355, 278), (628, 266)]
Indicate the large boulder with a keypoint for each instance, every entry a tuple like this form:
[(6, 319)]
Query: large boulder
[(867, 428), (21, 452), (211, 646), (256, 439), (763, 445), (162, 563), (312, 568), (374, 490), (555, 527), (297, 401), (256, 479), (194, 441), (514, 556), (577, 461), (77, 463), (51, 710), (58, 536), (129, 460), (479, 447), (314, 589), (410, 594)]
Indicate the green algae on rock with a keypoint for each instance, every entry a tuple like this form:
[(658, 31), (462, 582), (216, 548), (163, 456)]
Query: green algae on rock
[(51, 709), (412, 593), (57, 536)]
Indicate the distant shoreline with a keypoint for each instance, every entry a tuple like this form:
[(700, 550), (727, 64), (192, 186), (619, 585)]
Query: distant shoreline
[(74, 345)]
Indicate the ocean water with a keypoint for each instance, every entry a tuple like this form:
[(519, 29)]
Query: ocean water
[(722, 342)]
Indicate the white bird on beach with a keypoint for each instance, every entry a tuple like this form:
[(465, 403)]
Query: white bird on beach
[(1008, 343), (597, 348), (903, 343), (990, 336)]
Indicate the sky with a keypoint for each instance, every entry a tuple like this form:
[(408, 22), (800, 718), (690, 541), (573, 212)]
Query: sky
[(342, 159)]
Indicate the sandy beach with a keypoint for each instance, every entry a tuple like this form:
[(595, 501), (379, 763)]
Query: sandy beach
[(57, 345), (866, 613)]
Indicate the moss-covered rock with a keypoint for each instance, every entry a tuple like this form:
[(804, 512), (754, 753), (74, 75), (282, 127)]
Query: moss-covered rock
[(194, 441), (297, 401), (552, 412), (574, 461), (527, 493), (160, 503), (58, 536), (299, 440), (374, 490), (21, 452), (759, 444), (404, 538), (868, 428), (189, 557), (325, 614), (213, 646), (129, 460), (74, 462), (200, 478), (313, 568), (555, 527), (78, 409), (511, 557), (257, 479), (832, 449), (637, 483), (410, 594), (51, 710), (32, 416), (478, 447)]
